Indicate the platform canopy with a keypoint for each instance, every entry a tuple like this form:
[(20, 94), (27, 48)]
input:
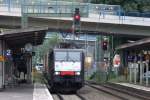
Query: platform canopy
[(140, 44), (19, 37)]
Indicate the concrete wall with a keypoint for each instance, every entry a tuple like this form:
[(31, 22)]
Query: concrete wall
[(55, 24)]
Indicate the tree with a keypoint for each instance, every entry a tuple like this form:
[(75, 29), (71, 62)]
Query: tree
[(46, 47)]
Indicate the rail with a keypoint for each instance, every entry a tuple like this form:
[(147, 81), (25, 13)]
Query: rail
[(109, 88)]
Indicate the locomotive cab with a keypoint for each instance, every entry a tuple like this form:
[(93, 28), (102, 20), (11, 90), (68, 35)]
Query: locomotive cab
[(66, 69)]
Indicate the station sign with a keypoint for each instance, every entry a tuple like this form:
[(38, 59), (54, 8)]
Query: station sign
[(2, 58), (130, 58)]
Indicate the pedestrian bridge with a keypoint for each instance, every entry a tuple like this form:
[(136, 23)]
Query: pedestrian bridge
[(57, 15)]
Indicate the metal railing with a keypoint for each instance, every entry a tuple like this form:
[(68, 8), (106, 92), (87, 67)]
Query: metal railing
[(36, 6), (59, 6), (60, 9)]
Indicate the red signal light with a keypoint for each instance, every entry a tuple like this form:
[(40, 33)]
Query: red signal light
[(77, 17)]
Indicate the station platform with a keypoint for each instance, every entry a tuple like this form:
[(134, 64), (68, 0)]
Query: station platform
[(139, 87), (26, 92), (137, 90)]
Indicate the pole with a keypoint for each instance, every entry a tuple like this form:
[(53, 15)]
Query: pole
[(9, 3), (141, 71), (146, 73), (73, 31), (135, 65), (24, 17), (130, 72), (96, 54)]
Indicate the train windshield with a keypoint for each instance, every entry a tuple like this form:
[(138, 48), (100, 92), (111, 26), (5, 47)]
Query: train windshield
[(67, 61), (73, 56), (60, 56), (67, 56)]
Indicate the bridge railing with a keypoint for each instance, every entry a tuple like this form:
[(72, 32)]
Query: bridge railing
[(55, 9), (114, 13), (106, 9), (103, 10), (10, 5)]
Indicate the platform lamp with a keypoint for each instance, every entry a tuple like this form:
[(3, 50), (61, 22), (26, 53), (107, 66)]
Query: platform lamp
[(88, 63)]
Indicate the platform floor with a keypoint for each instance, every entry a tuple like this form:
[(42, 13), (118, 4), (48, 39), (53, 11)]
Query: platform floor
[(135, 86), (26, 92), (41, 92)]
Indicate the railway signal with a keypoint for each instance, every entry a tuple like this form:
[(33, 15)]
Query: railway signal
[(76, 17), (105, 45)]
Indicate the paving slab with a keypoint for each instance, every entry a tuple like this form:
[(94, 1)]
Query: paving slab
[(135, 86), (22, 92), (41, 92), (26, 92)]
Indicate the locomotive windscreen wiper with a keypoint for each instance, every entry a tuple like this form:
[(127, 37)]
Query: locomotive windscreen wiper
[(70, 59)]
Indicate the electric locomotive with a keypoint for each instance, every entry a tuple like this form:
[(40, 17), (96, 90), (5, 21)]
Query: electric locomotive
[(66, 69)]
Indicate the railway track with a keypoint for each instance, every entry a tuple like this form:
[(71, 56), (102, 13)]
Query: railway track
[(119, 93), (76, 96), (104, 90), (59, 96), (80, 95)]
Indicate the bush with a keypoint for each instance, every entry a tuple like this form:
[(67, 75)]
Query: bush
[(99, 76)]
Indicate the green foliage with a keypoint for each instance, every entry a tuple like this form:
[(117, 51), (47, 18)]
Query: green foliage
[(92, 76), (46, 47), (117, 79), (38, 77), (99, 77)]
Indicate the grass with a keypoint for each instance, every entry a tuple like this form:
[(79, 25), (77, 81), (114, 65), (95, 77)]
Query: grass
[(37, 77), (99, 77), (102, 77), (119, 79)]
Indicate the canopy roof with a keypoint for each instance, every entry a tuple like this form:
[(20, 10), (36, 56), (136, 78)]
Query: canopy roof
[(19, 37)]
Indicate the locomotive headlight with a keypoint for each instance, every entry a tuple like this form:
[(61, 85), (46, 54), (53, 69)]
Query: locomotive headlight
[(77, 73), (57, 73)]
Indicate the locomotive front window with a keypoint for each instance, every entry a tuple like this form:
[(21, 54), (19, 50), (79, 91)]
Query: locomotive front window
[(73, 56), (60, 56), (67, 61)]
